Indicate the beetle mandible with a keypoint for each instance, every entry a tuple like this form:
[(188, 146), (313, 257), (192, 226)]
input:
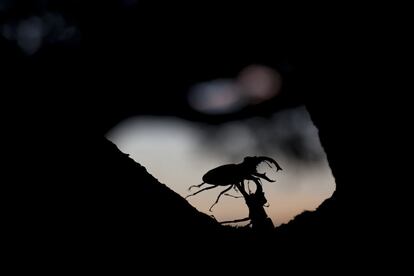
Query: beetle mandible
[(233, 175)]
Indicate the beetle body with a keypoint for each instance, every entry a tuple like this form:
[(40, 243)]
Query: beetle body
[(224, 175), (233, 175)]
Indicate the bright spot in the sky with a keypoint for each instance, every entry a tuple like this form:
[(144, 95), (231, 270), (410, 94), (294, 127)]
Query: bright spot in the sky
[(216, 97), (30, 35), (260, 83), (254, 84)]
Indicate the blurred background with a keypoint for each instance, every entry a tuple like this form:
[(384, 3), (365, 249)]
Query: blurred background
[(178, 152), (181, 87)]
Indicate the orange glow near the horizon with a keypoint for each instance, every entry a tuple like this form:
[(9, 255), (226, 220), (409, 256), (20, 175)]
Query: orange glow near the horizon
[(177, 154)]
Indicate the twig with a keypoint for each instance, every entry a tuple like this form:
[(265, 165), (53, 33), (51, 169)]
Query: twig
[(236, 220)]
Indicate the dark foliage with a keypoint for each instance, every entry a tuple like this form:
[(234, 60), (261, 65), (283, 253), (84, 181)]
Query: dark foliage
[(73, 193)]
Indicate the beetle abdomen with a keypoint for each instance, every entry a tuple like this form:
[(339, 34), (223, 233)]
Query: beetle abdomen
[(223, 175)]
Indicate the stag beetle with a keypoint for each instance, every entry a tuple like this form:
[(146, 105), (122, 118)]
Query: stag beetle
[(233, 175)]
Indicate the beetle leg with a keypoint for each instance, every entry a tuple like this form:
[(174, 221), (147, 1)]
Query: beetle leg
[(226, 194), (208, 188), (241, 189), (248, 187), (217, 200), (263, 175), (198, 186)]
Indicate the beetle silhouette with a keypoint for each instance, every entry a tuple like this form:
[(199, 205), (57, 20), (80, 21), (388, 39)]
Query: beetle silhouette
[(233, 175)]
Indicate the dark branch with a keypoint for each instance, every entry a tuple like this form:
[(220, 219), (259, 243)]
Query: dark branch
[(234, 221)]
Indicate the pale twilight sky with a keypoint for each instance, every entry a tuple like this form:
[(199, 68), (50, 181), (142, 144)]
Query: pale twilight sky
[(175, 152)]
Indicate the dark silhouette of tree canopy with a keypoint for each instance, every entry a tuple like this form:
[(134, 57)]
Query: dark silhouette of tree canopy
[(72, 193)]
